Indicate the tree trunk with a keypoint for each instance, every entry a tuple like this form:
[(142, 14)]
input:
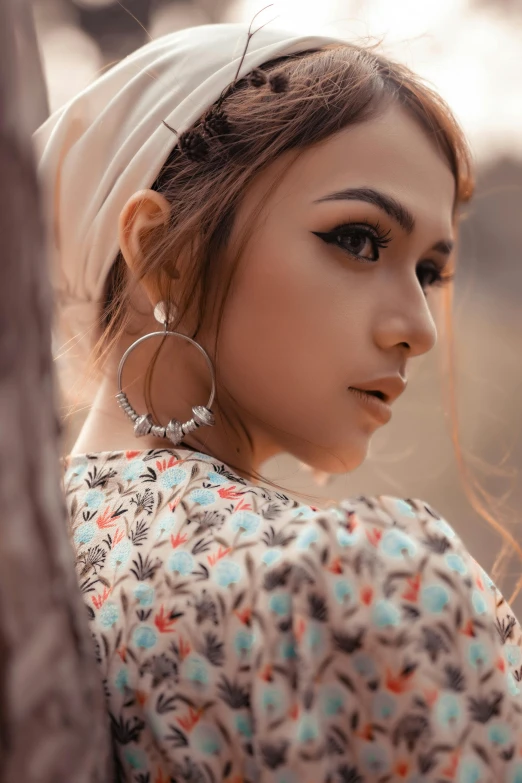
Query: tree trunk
[(53, 723)]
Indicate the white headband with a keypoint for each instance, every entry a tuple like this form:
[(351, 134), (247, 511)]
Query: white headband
[(110, 141)]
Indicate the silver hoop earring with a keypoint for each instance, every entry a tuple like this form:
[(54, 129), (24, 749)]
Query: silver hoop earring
[(175, 431)]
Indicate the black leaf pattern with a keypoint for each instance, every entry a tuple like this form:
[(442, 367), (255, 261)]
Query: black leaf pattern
[(274, 754), (348, 643), (505, 628), (434, 643), (348, 774), (483, 708), (144, 568), (139, 532), (410, 729), (233, 694), (213, 649), (277, 577), (455, 679), (125, 731), (317, 608)]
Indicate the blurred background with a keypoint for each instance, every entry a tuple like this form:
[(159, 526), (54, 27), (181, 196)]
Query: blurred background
[(471, 51)]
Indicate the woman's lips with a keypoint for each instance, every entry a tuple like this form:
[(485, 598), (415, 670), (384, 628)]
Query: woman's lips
[(378, 408)]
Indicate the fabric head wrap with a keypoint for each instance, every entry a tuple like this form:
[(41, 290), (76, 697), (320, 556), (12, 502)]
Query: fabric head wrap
[(109, 141)]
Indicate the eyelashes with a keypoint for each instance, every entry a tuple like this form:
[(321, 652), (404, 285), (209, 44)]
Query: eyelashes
[(347, 235), (370, 232)]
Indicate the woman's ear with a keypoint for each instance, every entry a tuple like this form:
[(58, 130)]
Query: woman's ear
[(143, 212)]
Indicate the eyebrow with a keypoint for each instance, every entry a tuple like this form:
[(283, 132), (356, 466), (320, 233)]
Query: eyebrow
[(393, 208)]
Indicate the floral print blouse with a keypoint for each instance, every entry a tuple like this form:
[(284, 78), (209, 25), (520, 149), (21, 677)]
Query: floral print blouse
[(244, 638)]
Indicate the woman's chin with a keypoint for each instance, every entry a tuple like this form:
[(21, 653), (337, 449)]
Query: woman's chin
[(338, 459)]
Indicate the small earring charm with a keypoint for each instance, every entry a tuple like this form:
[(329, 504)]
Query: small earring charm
[(143, 425), (175, 431)]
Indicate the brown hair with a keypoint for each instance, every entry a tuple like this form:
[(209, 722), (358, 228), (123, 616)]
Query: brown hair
[(329, 89)]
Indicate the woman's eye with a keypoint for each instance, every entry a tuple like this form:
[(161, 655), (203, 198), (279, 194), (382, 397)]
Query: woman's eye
[(363, 241), (359, 243)]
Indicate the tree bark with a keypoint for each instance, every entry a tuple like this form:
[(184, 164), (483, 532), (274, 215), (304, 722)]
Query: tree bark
[(53, 722)]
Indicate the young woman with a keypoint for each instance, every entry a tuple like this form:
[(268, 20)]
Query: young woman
[(247, 226)]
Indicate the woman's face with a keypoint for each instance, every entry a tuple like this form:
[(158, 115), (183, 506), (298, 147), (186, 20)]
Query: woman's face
[(332, 289)]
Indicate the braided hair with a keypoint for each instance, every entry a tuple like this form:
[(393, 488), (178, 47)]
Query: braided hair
[(208, 137)]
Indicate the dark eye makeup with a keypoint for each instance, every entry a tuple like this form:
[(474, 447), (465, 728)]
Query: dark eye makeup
[(354, 237)]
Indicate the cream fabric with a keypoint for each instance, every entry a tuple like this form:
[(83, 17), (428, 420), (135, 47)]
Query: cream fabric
[(110, 141)]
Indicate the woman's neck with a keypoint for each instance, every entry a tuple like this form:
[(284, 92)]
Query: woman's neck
[(107, 428)]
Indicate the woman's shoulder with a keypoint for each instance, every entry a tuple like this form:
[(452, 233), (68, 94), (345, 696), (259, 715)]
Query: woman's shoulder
[(158, 483), (398, 555), (204, 589), (168, 489)]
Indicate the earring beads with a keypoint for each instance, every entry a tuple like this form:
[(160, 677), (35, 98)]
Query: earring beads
[(175, 430)]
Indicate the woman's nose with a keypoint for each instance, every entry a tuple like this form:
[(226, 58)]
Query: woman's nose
[(407, 322)]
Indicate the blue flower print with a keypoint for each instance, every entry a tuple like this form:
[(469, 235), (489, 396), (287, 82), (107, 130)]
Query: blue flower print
[(404, 508), (512, 654), (280, 603), (165, 525), (364, 665), (202, 496), (444, 527), (109, 614), (121, 552), (456, 563), (434, 598), (217, 478), (513, 687), (244, 725), (314, 638), (144, 594), (94, 498), (343, 590), (133, 469), (303, 512), (145, 636), (499, 733), (287, 649), (85, 533), (122, 679), (205, 457), (181, 563), (243, 642), (272, 699), (477, 654), (246, 522), (345, 538), (395, 543), (227, 572), (172, 477), (479, 602), (375, 758), (448, 710), (307, 537), (271, 556), (490, 584), (308, 728), (469, 771), (206, 738), (75, 470), (135, 758), (331, 700), (385, 614), (195, 669), (384, 706)]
